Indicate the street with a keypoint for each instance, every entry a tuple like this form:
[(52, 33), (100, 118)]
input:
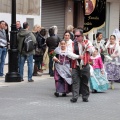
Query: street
[(36, 101)]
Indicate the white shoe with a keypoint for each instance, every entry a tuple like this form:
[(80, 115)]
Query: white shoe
[(112, 87), (2, 76)]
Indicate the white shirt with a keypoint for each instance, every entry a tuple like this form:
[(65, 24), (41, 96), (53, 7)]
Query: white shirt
[(80, 48), (70, 45)]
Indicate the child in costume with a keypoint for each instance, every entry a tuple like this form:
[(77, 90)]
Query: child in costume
[(98, 78)]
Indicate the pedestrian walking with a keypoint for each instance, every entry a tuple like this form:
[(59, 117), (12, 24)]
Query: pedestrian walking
[(62, 73), (100, 44), (52, 42), (80, 69), (23, 54), (112, 65), (68, 41)]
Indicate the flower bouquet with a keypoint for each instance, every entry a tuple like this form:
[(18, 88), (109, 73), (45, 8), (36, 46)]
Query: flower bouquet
[(51, 54)]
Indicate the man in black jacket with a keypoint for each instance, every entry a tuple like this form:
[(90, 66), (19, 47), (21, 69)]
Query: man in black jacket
[(52, 42)]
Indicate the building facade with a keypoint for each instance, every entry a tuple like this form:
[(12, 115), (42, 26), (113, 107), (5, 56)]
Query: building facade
[(66, 12), (27, 10), (60, 13)]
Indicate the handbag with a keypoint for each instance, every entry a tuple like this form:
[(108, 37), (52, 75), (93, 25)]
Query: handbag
[(39, 51)]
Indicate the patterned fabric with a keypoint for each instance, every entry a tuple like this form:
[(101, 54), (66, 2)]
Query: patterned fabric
[(62, 75), (61, 85), (64, 71), (3, 40), (100, 46), (112, 66), (113, 71), (86, 57), (111, 50), (99, 81), (96, 62)]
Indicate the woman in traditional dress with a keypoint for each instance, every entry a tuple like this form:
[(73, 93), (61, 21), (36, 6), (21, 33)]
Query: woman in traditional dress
[(112, 64), (98, 79), (62, 71), (118, 59), (69, 42), (62, 74)]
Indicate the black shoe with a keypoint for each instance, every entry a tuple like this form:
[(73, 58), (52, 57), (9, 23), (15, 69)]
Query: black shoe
[(31, 80), (22, 80), (56, 94), (51, 75), (63, 94), (36, 74), (73, 100), (94, 91), (85, 100)]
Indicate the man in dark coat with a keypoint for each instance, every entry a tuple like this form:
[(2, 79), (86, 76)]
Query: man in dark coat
[(80, 70), (52, 42)]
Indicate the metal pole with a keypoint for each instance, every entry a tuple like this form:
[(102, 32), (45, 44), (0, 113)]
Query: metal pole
[(13, 75)]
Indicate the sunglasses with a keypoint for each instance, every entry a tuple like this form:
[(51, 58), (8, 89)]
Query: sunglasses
[(78, 35)]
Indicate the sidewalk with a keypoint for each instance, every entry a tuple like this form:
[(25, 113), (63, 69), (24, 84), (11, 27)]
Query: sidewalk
[(44, 76)]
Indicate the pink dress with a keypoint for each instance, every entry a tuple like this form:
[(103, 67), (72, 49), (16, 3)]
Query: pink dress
[(97, 62), (98, 81)]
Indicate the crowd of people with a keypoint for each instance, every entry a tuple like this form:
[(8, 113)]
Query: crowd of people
[(74, 61), (79, 62)]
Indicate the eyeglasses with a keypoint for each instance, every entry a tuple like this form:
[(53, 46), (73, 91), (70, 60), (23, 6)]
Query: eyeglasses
[(78, 35)]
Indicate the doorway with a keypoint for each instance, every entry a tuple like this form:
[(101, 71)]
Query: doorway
[(31, 23)]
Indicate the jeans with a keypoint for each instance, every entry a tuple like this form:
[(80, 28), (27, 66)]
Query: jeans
[(102, 56), (21, 63), (3, 52)]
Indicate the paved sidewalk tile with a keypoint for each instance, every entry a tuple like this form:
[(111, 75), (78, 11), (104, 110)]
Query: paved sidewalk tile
[(45, 75)]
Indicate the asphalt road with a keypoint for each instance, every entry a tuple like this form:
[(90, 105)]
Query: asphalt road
[(36, 101)]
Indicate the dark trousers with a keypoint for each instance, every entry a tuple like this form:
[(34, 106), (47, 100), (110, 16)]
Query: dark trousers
[(80, 84), (102, 56), (51, 66)]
